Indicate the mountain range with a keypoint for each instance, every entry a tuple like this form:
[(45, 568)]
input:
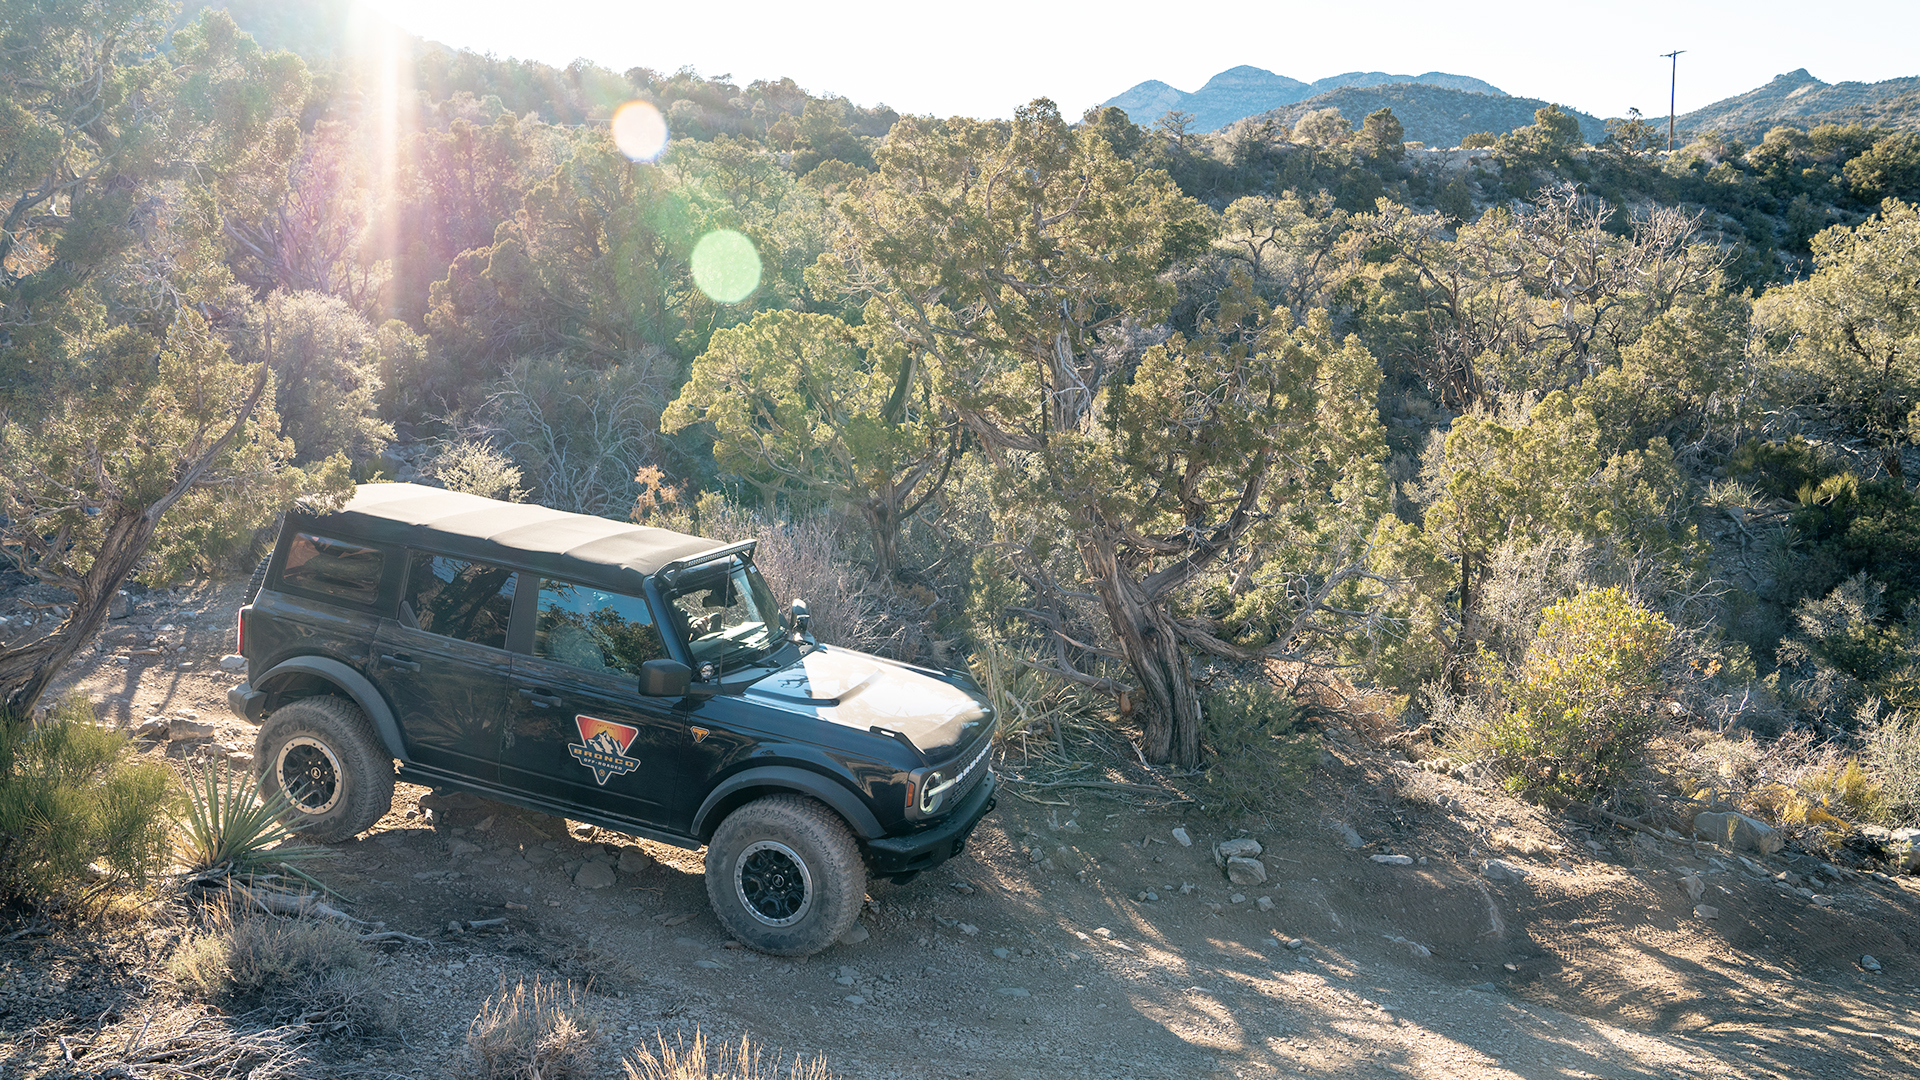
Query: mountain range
[(1797, 99), (1245, 90), (1435, 115)]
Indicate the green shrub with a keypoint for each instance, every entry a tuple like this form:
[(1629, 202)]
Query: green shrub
[(1584, 704), (1257, 750), (78, 813)]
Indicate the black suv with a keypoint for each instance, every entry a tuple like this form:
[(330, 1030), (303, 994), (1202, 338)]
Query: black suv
[(632, 677)]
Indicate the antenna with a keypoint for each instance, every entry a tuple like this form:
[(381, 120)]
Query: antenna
[(1671, 88)]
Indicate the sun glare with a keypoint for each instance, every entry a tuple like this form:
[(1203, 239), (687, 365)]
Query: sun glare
[(725, 266), (639, 130)]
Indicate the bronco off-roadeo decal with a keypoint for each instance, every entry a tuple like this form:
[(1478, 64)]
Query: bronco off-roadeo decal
[(603, 747)]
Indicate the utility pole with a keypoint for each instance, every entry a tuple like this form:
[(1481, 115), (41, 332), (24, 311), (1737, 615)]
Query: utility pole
[(1671, 89)]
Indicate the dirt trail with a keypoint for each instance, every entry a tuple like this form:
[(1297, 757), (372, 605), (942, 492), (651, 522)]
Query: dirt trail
[(1035, 954)]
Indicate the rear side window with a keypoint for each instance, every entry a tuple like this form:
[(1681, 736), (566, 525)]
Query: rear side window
[(458, 599), (336, 568), (595, 630)]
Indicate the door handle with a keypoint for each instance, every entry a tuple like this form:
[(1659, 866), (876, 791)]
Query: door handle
[(401, 662), (539, 695)]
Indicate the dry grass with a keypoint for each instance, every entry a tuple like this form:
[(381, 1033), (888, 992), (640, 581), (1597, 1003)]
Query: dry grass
[(306, 972), (698, 1060), (188, 1044), (537, 1032)]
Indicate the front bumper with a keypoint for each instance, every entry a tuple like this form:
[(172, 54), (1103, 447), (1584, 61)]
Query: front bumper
[(247, 703), (929, 848)]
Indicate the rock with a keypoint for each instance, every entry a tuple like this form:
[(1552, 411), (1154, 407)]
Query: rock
[(1502, 870), (1738, 832), (181, 729), (1244, 871), (1821, 901), (1237, 898), (1393, 860), (233, 662), (855, 999), (1243, 848), (1901, 845), (1693, 885), (1003, 953), (1348, 834), (1870, 963), (593, 874), (462, 847), (1706, 911), (632, 860), (120, 606), (969, 929), (1264, 903), (961, 887), (710, 965), (1486, 987), (152, 728), (1015, 991), (856, 935), (1180, 836), (1294, 943)]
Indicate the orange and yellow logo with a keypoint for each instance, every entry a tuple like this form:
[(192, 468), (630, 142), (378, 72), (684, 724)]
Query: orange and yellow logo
[(603, 747)]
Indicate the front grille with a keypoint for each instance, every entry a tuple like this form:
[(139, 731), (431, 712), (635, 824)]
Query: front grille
[(972, 774)]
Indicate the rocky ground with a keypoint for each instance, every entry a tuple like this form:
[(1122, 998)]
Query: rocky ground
[(1409, 925)]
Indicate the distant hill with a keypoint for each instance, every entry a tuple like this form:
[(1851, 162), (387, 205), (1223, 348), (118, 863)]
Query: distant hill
[(1243, 91), (1797, 99), (1435, 115)]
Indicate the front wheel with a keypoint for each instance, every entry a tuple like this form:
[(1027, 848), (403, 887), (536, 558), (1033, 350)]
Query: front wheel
[(322, 753), (784, 875)]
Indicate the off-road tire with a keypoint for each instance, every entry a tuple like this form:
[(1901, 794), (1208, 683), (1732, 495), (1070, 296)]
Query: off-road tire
[(751, 865), (259, 576), (323, 753)]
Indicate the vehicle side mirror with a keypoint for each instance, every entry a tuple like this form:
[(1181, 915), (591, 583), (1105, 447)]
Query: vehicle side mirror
[(665, 678), (799, 623)]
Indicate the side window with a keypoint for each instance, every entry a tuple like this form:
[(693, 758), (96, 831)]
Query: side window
[(329, 567), (599, 631), (459, 599)]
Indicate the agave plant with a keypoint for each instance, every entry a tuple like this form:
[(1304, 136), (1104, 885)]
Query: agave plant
[(231, 829)]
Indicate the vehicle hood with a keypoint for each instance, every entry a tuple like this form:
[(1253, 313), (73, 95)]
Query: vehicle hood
[(861, 691)]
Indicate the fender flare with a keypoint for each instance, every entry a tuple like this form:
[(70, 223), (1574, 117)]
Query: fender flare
[(799, 781), (350, 682)]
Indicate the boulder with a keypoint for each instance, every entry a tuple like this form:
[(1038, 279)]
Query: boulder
[(1738, 832), (633, 860), (1901, 845), (181, 729), (233, 662), (1246, 847), (1245, 871)]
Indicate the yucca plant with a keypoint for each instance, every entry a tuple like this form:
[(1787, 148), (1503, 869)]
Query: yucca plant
[(231, 830)]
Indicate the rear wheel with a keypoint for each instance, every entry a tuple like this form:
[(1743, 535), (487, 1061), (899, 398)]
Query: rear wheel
[(322, 753), (784, 875)]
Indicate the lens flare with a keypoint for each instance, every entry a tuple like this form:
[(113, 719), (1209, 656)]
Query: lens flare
[(725, 266), (639, 130)]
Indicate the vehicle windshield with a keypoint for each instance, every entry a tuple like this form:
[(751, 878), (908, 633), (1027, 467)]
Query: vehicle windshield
[(726, 614)]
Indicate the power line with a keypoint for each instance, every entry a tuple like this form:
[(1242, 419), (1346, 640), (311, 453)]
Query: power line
[(1671, 89)]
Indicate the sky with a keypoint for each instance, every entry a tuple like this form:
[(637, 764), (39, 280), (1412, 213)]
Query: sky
[(985, 57)]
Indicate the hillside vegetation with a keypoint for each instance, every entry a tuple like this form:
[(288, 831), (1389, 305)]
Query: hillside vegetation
[(1140, 411)]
